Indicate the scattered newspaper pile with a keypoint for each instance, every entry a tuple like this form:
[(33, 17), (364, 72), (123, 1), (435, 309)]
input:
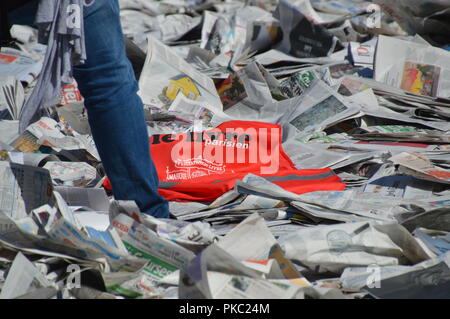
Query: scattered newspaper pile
[(358, 87)]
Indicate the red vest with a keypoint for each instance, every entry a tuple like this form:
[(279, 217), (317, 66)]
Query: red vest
[(201, 166)]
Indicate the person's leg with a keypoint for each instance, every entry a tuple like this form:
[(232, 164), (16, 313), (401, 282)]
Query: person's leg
[(115, 111)]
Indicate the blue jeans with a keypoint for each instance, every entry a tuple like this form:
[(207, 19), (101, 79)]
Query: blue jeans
[(115, 111)]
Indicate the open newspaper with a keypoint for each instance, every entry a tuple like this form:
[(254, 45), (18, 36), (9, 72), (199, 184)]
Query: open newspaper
[(421, 167), (334, 246), (12, 96), (319, 109), (16, 63), (414, 67), (48, 132), (163, 256), (216, 274), (23, 278), (166, 74), (23, 188)]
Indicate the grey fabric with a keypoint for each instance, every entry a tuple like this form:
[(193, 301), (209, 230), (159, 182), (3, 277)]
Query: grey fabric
[(61, 28)]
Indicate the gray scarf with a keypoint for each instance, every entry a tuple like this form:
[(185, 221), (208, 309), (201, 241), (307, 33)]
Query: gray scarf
[(61, 28)]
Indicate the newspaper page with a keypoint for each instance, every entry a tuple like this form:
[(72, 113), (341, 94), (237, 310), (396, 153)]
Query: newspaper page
[(336, 247), (243, 25), (386, 181), (362, 54), (128, 208), (308, 10), (23, 188), (40, 293), (174, 26), (24, 68), (257, 202), (355, 278), (226, 34), (302, 37), (14, 234), (76, 174), (199, 109), (370, 106), (416, 68), (31, 159), (220, 36), (347, 205), (23, 277), (9, 132), (261, 35), (256, 185), (224, 212), (12, 95), (66, 234), (436, 241), (64, 209), (193, 236), (319, 109), (46, 127), (245, 90), (275, 56), (209, 21), (61, 237), (421, 167), (203, 282), (356, 157), (318, 213), (28, 142), (435, 278), (164, 256), (386, 92), (75, 114), (194, 278), (251, 239), (401, 133), (93, 198), (225, 286), (165, 74), (92, 219), (371, 207), (340, 7), (433, 219), (298, 83), (184, 208), (306, 156), (45, 217), (384, 146), (17, 235), (24, 34), (70, 143)]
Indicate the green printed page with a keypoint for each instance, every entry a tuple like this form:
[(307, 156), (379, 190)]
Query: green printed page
[(156, 268)]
